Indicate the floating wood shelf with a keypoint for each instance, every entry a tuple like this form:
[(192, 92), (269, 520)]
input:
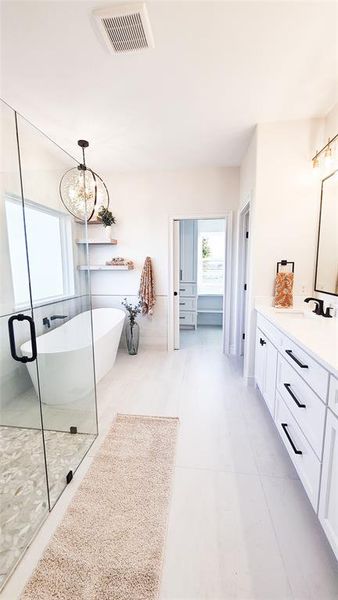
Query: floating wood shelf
[(104, 268), (98, 242)]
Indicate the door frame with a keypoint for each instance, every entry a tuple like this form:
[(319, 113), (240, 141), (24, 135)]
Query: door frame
[(228, 228), (242, 277)]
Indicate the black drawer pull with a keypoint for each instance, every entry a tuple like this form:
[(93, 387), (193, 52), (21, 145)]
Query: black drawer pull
[(182, 317), (297, 361), (182, 303), (262, 342), (294, 448), (294, 398), (21, 317), (183, 290)]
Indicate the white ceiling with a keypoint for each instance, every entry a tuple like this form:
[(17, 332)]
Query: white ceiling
[(217, 69)]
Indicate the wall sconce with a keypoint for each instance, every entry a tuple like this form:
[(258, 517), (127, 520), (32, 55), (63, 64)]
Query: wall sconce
[(82, 191), (325, 158)]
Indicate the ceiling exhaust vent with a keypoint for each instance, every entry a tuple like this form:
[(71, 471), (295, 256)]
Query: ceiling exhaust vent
[(125, 28)]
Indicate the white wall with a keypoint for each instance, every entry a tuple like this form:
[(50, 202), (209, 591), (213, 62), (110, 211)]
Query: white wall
[(277, 170), (330, 124), (142, 203)]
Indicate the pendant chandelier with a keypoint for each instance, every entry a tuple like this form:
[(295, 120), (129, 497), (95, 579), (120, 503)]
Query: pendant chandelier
[(83, 191)]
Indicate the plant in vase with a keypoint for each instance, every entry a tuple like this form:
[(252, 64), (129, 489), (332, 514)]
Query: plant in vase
[(106, 217), (132, 328)]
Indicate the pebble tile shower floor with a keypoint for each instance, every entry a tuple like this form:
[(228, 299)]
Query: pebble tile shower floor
[(23, 483)]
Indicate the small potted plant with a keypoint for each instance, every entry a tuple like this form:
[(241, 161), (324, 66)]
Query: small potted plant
[(107, 219), (132, 328)]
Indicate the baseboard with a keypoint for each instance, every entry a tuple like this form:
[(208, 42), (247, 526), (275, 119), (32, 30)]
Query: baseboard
[(249, 380)]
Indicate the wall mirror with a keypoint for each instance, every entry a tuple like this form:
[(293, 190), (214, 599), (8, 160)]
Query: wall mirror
[(326, 279)]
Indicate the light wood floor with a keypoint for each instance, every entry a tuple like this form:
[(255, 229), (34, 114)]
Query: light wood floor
[(240, 525)]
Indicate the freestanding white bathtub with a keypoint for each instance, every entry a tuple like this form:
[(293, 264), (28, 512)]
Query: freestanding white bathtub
[(64, 355)]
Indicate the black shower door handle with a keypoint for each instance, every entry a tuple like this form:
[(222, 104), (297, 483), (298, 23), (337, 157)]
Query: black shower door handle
[(21, 317)]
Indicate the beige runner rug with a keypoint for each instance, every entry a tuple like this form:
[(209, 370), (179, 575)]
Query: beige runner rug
[(109, 545)]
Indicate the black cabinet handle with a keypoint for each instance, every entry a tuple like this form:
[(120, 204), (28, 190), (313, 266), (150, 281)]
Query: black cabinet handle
[(182, 303), (21, 317), (294, 398), (182, 290), (182, 317), (175, 293), (294, 448), (262, 342), (297, 361)]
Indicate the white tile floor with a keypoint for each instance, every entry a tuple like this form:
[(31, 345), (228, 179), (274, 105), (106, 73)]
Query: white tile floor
[(240, 524)]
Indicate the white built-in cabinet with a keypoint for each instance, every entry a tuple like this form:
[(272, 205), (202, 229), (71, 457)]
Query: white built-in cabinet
[(302, 397), (188, 250), (188, 273)]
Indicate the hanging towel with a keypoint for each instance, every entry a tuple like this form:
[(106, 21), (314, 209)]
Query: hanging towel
[(147, 288), (283, 290)]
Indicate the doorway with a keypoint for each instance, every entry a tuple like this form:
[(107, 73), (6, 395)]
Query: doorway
[(200, 283)]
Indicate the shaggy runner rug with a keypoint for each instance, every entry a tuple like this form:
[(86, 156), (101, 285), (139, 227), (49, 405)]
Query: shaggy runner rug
[(109, 545)]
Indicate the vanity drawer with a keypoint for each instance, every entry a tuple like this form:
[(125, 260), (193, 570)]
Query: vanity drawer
[(187, 318), (188, 303), (188, 289), (313, 373), (303, 457), (275, 336), (333, 395), (303, 403)]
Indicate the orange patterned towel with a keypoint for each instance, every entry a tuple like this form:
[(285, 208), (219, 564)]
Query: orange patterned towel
[(283, 290), (147, 288)]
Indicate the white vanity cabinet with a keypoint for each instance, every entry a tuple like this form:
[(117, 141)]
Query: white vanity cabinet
[(265, 369), (328, 505), (302, 396)]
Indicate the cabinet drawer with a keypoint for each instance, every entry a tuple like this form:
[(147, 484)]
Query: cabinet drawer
[(333, 395), (303, 403), (313, 373), (187, 318), (188, 289), (274, 335), (188, 303), (303, 457)]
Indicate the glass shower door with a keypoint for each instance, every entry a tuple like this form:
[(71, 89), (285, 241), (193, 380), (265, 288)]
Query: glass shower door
[(62, 309), (23, 480)]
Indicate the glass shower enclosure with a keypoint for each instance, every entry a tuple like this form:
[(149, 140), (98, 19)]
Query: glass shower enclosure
[(48, 415)]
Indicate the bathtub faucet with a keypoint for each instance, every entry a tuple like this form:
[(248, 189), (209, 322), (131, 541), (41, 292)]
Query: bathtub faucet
[(46, 321)]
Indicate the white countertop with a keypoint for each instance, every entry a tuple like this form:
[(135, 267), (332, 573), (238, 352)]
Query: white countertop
[(318, 336)]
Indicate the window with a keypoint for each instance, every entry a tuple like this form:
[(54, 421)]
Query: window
[(210, 263), (49, 239)]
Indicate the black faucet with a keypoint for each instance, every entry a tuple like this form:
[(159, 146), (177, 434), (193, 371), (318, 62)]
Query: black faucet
[(53, 317), (319, 309), (46, 321)]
